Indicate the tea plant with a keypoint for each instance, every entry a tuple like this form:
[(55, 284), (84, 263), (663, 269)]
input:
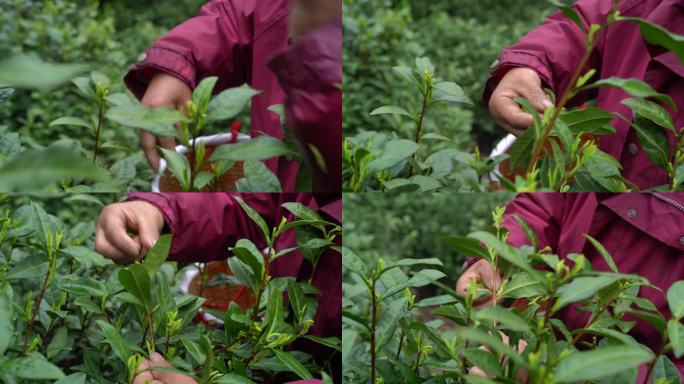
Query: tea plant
[(69, 315), (385, 325), (558, 152)]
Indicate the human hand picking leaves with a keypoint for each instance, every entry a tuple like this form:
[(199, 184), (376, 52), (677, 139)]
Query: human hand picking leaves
[(116, 221), (482, 272), (147, 373)]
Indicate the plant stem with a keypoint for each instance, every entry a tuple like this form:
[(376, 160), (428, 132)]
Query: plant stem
[(98, 131), (374, 313), (421, 118), (36, 308), (401, 343)]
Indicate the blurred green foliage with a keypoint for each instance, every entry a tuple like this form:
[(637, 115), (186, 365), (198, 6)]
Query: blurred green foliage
[(409, 225), (462, 38)]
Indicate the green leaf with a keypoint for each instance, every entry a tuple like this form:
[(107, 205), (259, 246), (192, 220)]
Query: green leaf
[(158, 121), (654, 141), (301, 211), (634, 87), (58, 342), (675, 331), (86, 256), (389, 318), (582, 288), (48, 167), (258, 178), (466, 246), (260, 148), (254, 215), (331, 342), (242, 274), (157, 255), (193, 349), (675, 299), (590, 365), (247, 252), (521, 151), (293, 364), (33, 367), (437, 300), (450, 92), (591, 120), (456, 313), (678, 177), (658, 35), (231, 378), (522, 285), (604, 253), (506, 318), (43, 226), (650, 111), (6, 315), (352, 262), (531, 236), (391, 110), (24, 71), (74, 378), (178, 166), (274, 312), (494, 342), (571, 13), (202, 93), (230, 103), (136, 281), (77, 121), (393, 153), (664, 369), (483, 359), (297, 298), (202, 179), (119, 346)]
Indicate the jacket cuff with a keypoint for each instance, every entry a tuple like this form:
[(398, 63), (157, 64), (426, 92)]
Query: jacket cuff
[(314, 62), (159, 201), (514, 59), (159, 59)]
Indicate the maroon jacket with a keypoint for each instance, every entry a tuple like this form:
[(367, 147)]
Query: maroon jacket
[(205, 225), (238, 41), (643, 232), (554, 50)]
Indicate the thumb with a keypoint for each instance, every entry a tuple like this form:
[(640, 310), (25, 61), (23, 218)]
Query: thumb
[(535, 94), (148, 232)]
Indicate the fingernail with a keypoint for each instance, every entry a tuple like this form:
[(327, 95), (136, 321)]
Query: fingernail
[(156, 357), (547, 104)]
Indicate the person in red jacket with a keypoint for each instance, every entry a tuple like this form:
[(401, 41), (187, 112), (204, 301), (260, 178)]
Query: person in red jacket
[(549, 55), (205, 225), (291, 52), (644, 232)]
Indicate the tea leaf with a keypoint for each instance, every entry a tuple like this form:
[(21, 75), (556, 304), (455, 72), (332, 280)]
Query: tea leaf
[(136, 280), (229, 103), (48, 167), (354, 263), (483, 359), (58, 342), (456, 313), (258, 178), (42, 224), (24, 71), (74, 378), (664, 369), (658, 35), (591, 120), (6, 314), (571, 13), (293, 364), (260, 148), (248, 253), (604, 253), (505, 317), (590, 365), (466, 246), (32, 367), (241, 274), (450, 92), (193, 349), (76, 121), (86, 256), (480, 337), (254, 215), (393, 153), (179, 167), (157, 255), (392, 110), (521, 151), (202, 93), (675, 299), (654, 141), (582, 288), (528, 231), (297, 298), (233, 379), (651, 111), (303, 212), (158, 121), (331, 342), (389, 318), (119, 346), (675, 331), (634, 87), (274, 312), (522, 285)]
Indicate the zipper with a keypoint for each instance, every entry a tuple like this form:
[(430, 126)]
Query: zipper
[(666, 199)]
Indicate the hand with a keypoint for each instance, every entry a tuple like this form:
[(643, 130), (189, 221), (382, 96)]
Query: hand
[(116, 220), (482, 272), (164, 91), (308, 15), (521, 375), (160, 377), (517, 82)]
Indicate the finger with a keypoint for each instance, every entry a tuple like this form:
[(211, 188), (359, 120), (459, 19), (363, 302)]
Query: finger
[(489, 277), (475, 371), (167, 142), (537, 97), (464, 282), (115, 229), (148, 231), (507, 111), (158, 360), (142, 375), (148, 144), (106, 249)]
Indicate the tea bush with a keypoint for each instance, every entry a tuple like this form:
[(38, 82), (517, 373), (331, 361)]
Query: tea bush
[(69, 315), (442, 339)]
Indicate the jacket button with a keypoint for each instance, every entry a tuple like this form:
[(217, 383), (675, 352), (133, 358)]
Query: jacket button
[(631, 213), (633, 149), (681, 240), (142, 57)]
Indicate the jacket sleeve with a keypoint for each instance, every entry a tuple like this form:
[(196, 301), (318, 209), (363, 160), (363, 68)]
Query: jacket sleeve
[(216, 42), (310, 72), (543, 214), (554, 49), (205, 225)]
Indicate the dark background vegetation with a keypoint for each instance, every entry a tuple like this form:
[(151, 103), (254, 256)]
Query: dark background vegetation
[(410, 225), (461, 37)]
